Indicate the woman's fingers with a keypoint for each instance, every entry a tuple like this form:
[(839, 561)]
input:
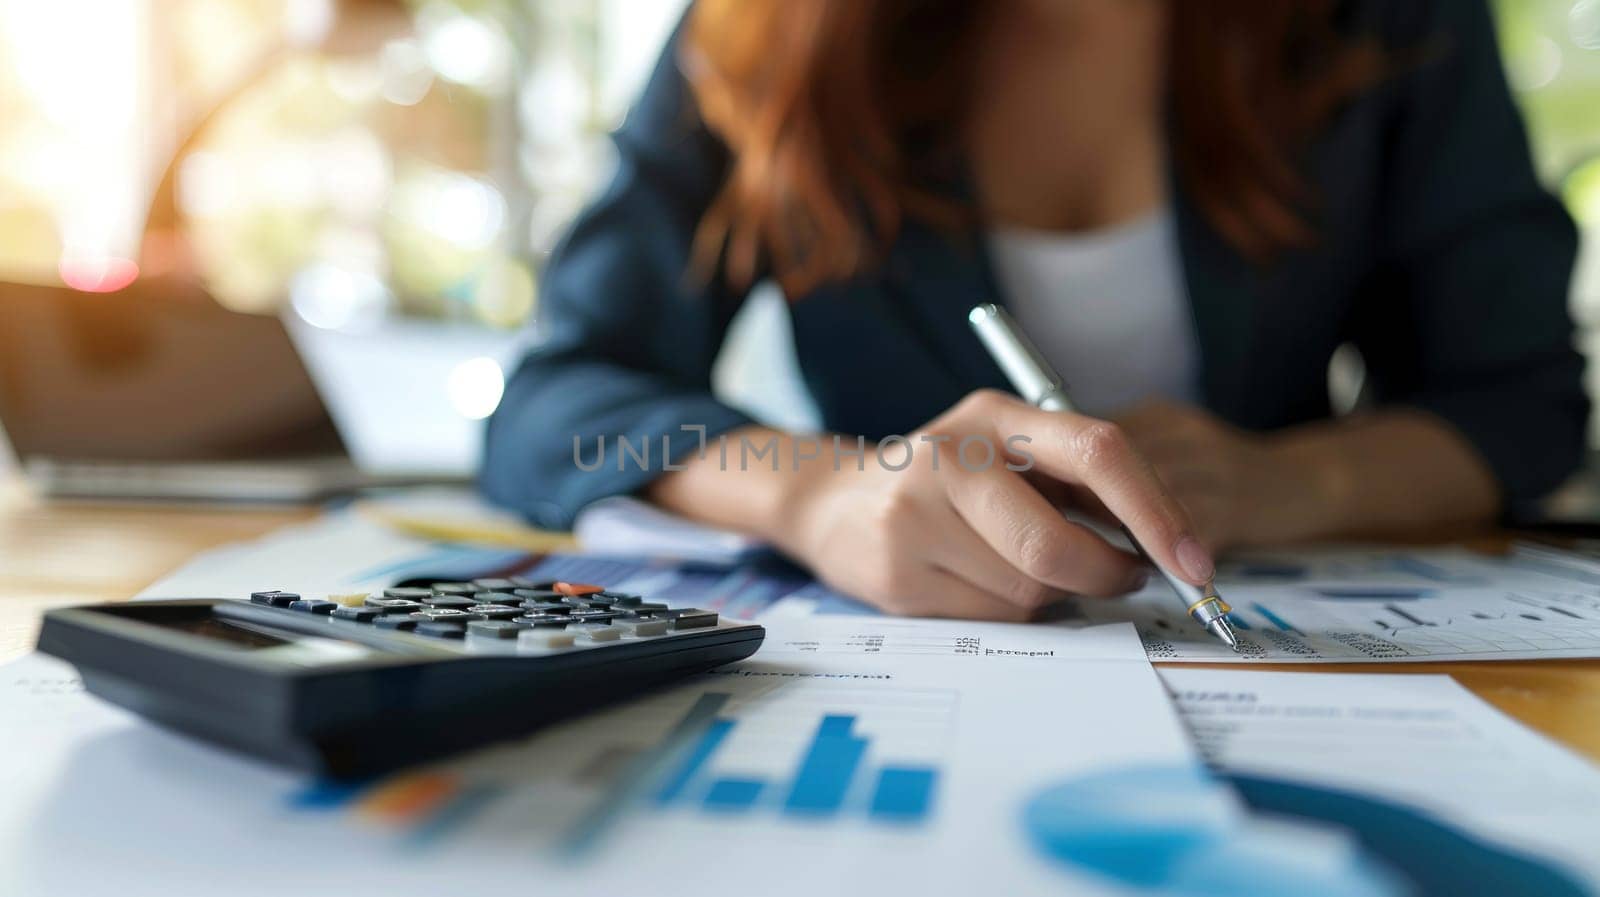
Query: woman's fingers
[(939, 593), (1020, 527), (1099, 455), (960, 551)]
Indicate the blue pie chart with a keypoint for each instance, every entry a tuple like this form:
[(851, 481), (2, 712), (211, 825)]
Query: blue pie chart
[(1182, 831)]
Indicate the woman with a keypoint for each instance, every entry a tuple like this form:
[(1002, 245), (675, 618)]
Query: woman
[(1190, 206)]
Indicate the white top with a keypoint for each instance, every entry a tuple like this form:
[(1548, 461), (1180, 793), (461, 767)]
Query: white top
[(1108, 309)]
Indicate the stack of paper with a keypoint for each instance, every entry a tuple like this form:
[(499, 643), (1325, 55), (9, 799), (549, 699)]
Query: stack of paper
[(864, 754), (842, 760)]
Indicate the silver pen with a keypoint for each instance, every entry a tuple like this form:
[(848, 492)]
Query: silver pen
[(1038, 384)]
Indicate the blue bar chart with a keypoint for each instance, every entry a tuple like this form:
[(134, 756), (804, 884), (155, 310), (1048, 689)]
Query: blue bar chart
[(781, 753), (832, 777)]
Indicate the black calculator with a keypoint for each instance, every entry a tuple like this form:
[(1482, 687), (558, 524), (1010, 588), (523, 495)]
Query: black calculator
[(351, 686)]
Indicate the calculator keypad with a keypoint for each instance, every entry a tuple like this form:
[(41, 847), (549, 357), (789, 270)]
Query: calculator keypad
[(394, 605), (512, 614), (496, 628), (443, 615), (274, 598), (357, 614), (494, 585), (642, 627)]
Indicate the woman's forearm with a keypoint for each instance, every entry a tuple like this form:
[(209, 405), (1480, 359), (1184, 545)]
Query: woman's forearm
[(1388, 473), (745, 487)]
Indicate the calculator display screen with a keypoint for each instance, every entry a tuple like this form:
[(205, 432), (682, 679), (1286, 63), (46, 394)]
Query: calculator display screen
[(239, 635)]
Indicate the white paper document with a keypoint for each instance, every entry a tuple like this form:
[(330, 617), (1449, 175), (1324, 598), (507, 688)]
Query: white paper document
[(624, 525), (1379, 605), (1418, 741), (889, 756), (851, 756), (1305, 606)]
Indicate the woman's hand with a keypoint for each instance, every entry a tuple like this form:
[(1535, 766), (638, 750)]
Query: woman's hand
[(1380, 474), (1238, 487), (950, 535)]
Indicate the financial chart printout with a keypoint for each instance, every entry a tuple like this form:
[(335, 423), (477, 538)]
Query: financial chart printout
[(1416, 741), (850, 756), (1343, 606)]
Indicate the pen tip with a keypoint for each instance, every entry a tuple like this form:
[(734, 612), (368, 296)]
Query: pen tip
[(1220, 628)]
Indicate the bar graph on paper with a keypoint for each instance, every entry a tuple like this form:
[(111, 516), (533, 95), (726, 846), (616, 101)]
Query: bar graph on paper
[(778, 750), (830, 769)]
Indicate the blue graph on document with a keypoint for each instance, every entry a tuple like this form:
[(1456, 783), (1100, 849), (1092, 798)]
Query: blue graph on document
[(734, 751)]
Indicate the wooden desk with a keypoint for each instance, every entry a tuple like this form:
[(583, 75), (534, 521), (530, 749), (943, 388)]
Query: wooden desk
[(55, 554)]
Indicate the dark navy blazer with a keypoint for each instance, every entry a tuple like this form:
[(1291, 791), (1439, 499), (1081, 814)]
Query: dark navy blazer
[(1439, 257)]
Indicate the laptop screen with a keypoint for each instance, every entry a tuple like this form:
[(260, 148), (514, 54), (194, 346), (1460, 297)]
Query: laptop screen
[(132, 376)]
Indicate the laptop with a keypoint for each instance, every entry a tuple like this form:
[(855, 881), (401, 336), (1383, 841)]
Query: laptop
[(133, 396)]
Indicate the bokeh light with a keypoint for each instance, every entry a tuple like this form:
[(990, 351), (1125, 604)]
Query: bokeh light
[(98, 274), (339, 298), (504, 293), (463, 48), (1584, 24), (436, 147), (475, 387), (1538, 65), (1581, 190), (404, 76)]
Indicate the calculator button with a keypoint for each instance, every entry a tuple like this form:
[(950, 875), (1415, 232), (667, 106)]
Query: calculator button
[(541, 595), (394, 605), (496, 611), (641, 628), (358, 614), (408, 594), (544, 621), (577, 588), (274, 599), (693, 618), (441, 630), (545, 639), (493, 585), (546, 609), (600, 599), (442, 614), (461, 589), (623, 599), (449, 601), (592, 632), (349, 599), (496, 628), (395, 621), (591, 616), (522, 582), (313, 606), (648, 607), (495, 597)]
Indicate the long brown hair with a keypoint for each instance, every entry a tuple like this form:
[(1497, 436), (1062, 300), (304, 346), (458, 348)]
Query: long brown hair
[(842, 115)]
